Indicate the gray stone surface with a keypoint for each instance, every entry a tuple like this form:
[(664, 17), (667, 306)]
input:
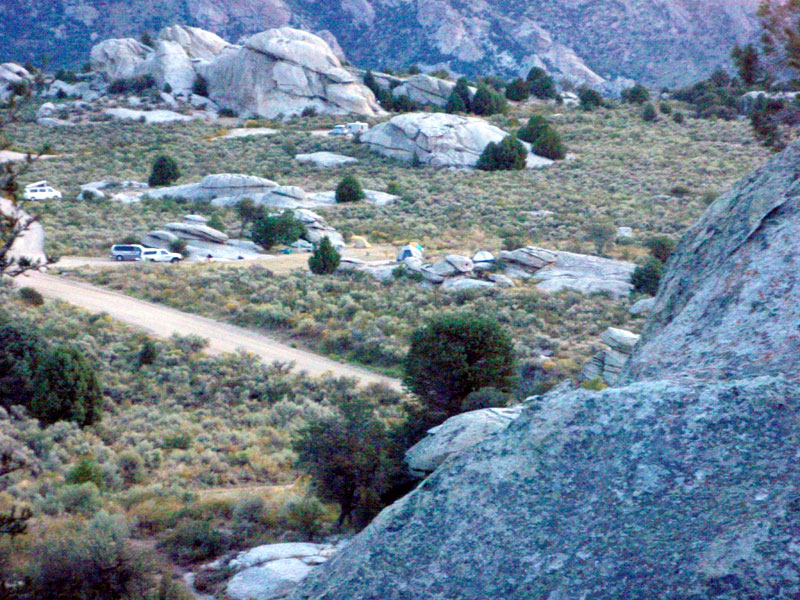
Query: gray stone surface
[(326, 160), (530, 256), (197, 43), (118, 58), (438, 139), (680, 484), (587, 274), (642, 307), (455, 435), (425, 89), (460, 284), (227, 187), (281, 72), (268, 581)]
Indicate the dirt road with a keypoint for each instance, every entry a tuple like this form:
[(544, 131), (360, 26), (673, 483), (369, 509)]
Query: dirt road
[(163, 322)]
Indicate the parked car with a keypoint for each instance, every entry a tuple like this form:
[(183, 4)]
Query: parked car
[(41, 190), (127, 252), (339, 130), (159, 255)]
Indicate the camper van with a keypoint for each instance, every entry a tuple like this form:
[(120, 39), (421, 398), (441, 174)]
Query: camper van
[(41, 190), (357, 128)]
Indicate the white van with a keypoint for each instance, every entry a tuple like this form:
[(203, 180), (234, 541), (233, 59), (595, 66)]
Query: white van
[(41, 190), (121, 252)]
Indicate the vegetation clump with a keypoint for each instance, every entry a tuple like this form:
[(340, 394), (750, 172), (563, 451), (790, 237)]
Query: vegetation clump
[(507, 155), (165, 171), (349, 190), (325, 258), (271, 230)]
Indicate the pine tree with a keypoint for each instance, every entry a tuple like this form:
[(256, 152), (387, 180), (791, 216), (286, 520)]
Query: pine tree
[(455, 103), (325, 258), (165, 171), (550, 145), (349, 190), (537, 125)]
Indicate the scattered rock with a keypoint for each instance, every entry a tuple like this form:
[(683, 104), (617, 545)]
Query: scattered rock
[(461, 264), (455, 435), (586, 274), (11, 74), (642, 307), (501, 280), (425, 89), (226, 188), (149, 116), (530, 256), (192, 231), (380, 198), (460, 284), (272, 580), (325, 160), (609, 363), (624, 234)]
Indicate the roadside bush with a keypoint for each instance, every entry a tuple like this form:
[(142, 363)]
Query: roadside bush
[(66, 388), (178, 246), (507, 155), (349, 190), (646, 277), (165, 171), (31, 296), (454, 355), (148, 353), (270, 230), (325, 259)]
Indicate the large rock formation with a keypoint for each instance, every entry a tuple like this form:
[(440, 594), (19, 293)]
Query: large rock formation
[(282, 72), (662, 43), (437, 139), (276, 72), (12, 75), (680, 485)]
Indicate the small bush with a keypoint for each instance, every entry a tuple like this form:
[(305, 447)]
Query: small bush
[(164, 172), (535, 127), (589, 98), (303, 515), (678, 117), (325, 258), (177, 441), (147, 353), (31, 296), (649, 113), (487, 102), (665, 108), (602, 234), (227, 112), (487, 397), (82, 499), (349, 190), (638, 94), (131, 467), (86, 471), (646, 277), (269, 230), (309, 111), (661, 247), (518, 90), (178, 246), (550, 145), (541, 84), (193, 541)]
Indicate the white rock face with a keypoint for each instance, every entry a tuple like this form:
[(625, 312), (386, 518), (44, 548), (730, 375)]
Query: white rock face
[(642, 307), (119, 58), (456, 434), (272, 580), (587, 274), (229, 187), (10, 74), (150, 116), (172, 65), (283, 71), (438, 139), (197, 43), (325, 160)]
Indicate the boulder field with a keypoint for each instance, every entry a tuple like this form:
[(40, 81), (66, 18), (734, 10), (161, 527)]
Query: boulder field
[(679, 483)]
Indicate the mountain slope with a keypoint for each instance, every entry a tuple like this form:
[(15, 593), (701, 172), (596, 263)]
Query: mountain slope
[(662, 42)]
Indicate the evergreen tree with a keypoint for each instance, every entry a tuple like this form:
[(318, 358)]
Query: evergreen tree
[(590, 99), (541, 84), (325, 258), (550, 145), (371, 83), (518, 90), (537, 125), (66, 388), (487, 102), (646, 277), (164, 172), (507, 155), (455, 103), (748, 64), (269, 230), (349, 190), (649, 112), (638, 94), (200, 86), (462, 89)]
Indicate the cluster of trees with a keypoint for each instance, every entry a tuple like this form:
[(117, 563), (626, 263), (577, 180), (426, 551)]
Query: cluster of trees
[(543, 138), (456, 362), (538, 84), (507, 155), (53, 383), (485, 101)]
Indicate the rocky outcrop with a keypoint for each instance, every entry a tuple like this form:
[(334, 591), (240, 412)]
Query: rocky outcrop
[(282, 72), (608, 364), (29, 245), (119, 58), (425, 89), (325, 160), (12, 74), (680, 483), (437, 139), (221, 187), (196, 43)]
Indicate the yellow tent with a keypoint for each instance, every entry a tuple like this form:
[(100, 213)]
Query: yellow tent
[(359, 241)]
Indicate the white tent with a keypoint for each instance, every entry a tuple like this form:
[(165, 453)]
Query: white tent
[(483, 257)]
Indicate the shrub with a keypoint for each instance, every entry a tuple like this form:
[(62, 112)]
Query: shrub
[(200, 86), (270, 230), (678, 117), (89, 562), (661, 247), (178, 246), (589, 98), (487, 397), (31, 296), (550, 145), (649, 113), (309, 111), (455, 355), (193, 541), (369, 81), (602, 233), (82, 499), (131, 467), (349, 190), (86, 471), (22, 350), (462, 90), (541, 84), (665, 108), (66, 388), (518, 90), (638, 94), (147, 353), (487, 102), (536, 125), (508, 155), (216, 222), (646, 277), (303, 515), (227, 112), (341, 451), (325, 258), (164, 172), (455, 104)]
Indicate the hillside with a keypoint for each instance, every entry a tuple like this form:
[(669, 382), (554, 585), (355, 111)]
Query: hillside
[(657, 41)]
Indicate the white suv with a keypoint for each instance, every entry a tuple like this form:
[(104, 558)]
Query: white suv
[(158, 255), (40, 190)]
